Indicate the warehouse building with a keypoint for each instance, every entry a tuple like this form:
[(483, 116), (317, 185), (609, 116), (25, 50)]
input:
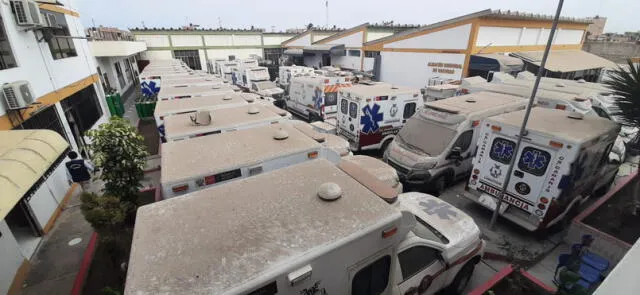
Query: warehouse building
[(50, 81), (196, 46), (342, 49), (482, 42)]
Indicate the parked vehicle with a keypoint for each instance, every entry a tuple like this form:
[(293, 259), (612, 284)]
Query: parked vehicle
[(563, 160), (285, 73), (435, 147), (185, 126), (214, 66), (371, 114), (315, 98), (192, 80), (257, 80), (166, 108), (310, 228), (227, 69), (332, 141)]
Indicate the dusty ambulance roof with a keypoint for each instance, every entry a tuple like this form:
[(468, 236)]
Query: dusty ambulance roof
[(193, 90), (212, 240), (201, 156), (377, 89), (378, 168), (181, 125), (557, 123), (190, 81), (551, 86), (475, 102), (172, 106), (525, 91)]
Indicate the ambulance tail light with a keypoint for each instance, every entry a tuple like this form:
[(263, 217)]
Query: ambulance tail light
[(541, 206), (464, 91), (389, 233), (476, 171), (475, 123), (561, 107), (180, 188), (211, 179), (312, 155), (475, 176), (544, 200), (556, 144), (326, 81), (496, 128)]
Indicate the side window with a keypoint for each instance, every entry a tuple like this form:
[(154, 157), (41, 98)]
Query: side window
[(464, 140), (601, 113), (330, 98), (254, 87), (502, 150), (605, 155), (372, 279), (344, 106), (353, 110), (534, 161), (415, 259), (409, 110), (7, 60)]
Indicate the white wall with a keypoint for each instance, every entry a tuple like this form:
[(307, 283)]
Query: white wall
[(157, 54), (43, 204), (353, 40), (349, 62), (411, 68), (10, 257), (239, 53), (218, 40), (154, 40), (244, 40), (302, 41), (501, 36), (186, 40), (317, 36), (368, 63), (453, 38), (377, 35), (274, 39)]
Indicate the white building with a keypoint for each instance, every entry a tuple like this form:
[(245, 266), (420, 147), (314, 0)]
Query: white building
[(196, 46), (477, 43), (62, 78), (116, 54)]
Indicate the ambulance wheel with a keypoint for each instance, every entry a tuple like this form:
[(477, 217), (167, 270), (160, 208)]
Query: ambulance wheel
[(462, 279), (603, 190), (313, 117), (437, 186), (565, 222), (384, 147)]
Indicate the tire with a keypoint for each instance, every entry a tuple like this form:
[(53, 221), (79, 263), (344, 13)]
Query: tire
[(437, 186), (603, 190), (565, 222), (384, 147), (461, 280)]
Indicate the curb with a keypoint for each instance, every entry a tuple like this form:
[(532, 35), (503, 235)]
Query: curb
[(78, 283)]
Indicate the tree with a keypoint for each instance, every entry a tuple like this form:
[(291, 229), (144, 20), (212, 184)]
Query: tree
[(119, 151), (625, 83), (310, 26)]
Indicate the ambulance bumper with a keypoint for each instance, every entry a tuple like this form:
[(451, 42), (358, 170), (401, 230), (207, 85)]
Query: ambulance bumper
[(512, 214)]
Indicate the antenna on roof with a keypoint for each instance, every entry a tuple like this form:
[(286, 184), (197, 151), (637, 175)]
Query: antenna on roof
[(326, 6)]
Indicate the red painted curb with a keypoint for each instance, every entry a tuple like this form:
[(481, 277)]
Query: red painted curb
[(538, 282), (78, 283), (505, 271), (606, 197)]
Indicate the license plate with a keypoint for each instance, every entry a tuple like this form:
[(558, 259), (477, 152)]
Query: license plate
[(506, 198)]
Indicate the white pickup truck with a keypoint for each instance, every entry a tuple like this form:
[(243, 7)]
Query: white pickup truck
[(311, 228)]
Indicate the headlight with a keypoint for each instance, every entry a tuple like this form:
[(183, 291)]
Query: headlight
[(425, 166)]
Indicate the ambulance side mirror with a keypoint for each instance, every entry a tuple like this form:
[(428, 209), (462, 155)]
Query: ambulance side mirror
[(455, 154)]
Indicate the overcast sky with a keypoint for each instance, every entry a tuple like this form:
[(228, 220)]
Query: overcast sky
[(282, 14)]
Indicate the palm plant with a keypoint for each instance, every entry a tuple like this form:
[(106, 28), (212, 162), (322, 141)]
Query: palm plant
[(625, 83)]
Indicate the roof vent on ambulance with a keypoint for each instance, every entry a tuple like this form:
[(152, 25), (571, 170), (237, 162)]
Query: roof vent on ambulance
[(560, 84), (281, 134), (470, 100), (253, 110), (201, 118), (227, 97), (329, 191), (576, 115)]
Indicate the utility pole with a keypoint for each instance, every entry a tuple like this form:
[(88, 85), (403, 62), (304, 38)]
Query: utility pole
[(326, 6), (219, 23), (523, 128)]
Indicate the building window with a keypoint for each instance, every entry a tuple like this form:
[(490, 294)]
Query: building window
[(7, 60), (60, 47), (190, 57), (46, 118), (119, 74), (371, 53), (354, 53), (82, 109)]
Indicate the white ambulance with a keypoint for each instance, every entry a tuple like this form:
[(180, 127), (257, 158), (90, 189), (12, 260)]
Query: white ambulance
[(371, 114), (435, 147), (563, 160), (185, 126), (226, 70), (213, 65), (311, 228), (285, 73), (315, 98), (331, 141), (184, 91), (166, 108), (192, 80)]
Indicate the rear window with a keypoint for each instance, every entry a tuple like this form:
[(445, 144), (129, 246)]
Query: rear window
[(353, 110), (372, 279), (534, 161), (330, 98), (344, 106), (409, 110), (502, 150)]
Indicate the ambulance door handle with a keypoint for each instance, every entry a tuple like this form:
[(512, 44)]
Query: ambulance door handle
[(518, 174), (404, 121)]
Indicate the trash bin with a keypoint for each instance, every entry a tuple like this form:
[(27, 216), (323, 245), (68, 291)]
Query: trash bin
[(110, 105), (117, 101)]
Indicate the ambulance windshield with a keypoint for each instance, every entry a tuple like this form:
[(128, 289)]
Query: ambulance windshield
[(429, 137)]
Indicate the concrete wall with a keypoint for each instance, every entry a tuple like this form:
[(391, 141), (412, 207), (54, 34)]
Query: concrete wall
[(154, 40), (502, 36), (239, 53), (453, 38), (351, 41), (317, 36), (348, 62), (615, 51), (10, 257), (247, 40), (157, 54), (218, 40), (377, 35), (274, 39), (412, 68), (107, 65), (186, 40), (302, 41)]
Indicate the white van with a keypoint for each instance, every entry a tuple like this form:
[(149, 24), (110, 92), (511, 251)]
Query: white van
[(285, 73), (436, 145), (563, 160), (185, 91), (166, 108), (201, 162), (213, 66), (226, 70), (315, 98), (371, 114), (181, 127), (192, 80), (310, 228), (331, 141)]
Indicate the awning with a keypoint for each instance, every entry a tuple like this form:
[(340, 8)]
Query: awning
[(25, 156), (495, 62), (333, 49), (566, 60), (293, 51)]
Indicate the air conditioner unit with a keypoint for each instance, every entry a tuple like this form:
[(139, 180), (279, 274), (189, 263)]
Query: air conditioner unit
[(17, 95), (50, 20), (27, 13)]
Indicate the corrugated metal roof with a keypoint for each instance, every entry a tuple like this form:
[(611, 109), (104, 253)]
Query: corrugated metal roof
[(25, 155), (566, 60)]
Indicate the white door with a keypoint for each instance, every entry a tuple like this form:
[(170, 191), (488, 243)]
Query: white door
[(464, 142), (529, 175), (423, 272), (371, 276)]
